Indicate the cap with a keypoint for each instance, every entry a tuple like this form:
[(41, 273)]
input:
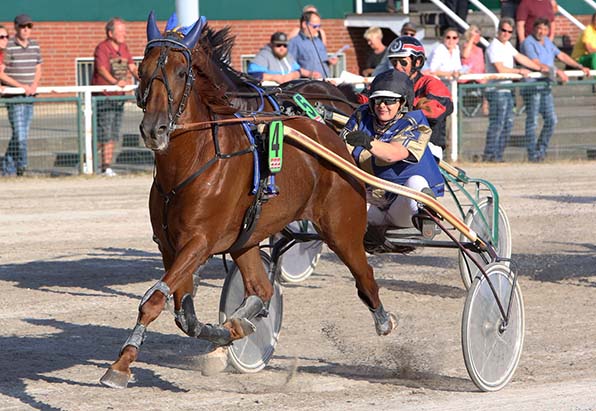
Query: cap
[(408, 27), (279, 38), (22, 19)]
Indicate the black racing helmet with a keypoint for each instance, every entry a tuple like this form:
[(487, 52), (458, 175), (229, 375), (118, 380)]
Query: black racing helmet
[(393, 84), (406, 46)]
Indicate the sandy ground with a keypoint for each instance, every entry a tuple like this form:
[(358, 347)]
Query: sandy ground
[(76, 257)]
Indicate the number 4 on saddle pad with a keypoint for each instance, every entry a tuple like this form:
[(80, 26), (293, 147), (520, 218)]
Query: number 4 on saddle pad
[(276, 145), (305, 106)]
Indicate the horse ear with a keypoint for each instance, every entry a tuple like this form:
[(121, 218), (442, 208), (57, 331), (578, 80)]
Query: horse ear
[(190, 40), (152, 30)]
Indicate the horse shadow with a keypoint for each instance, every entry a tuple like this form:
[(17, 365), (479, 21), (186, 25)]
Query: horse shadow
[(574, 261), (99, 273), (76, 345)]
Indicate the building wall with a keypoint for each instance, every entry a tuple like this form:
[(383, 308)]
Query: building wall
[(62, 43)]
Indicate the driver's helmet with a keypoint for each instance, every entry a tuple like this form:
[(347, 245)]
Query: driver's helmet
[(393, 84), (406, 46)]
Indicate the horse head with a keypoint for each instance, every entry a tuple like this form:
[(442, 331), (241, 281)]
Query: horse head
[(166, 79)]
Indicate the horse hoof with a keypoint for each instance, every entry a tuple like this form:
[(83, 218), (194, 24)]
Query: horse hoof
[(388, 326), (214, 362), (116, 379)]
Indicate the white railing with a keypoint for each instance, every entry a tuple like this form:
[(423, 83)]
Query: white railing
[(355, 80), (87, 92), (591, 3)]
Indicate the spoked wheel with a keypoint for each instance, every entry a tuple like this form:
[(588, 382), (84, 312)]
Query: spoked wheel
[(251, 354), (491, 348), (299, 262), (481, 221)]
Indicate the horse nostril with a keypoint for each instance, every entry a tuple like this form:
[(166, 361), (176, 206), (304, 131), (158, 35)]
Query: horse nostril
[(162, 130)]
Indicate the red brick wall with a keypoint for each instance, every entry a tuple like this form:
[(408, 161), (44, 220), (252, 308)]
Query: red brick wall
[(62, 43)]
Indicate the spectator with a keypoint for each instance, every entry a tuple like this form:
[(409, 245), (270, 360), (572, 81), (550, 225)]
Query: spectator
[(530, 10), (445, 59), (22, 60), (308, 48), (584, 50), (113, 61), (501, 57), (389, 140), (374, 39), (273, 63), (407, 29), (322, 35), (406, 54), (509, 8), (472, 55), (3, 44), (472, 59), (460, 8), (539, 99)]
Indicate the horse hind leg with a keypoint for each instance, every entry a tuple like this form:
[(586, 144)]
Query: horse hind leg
[(347, 241)]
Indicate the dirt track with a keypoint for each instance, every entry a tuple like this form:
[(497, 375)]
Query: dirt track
[(76, 257)]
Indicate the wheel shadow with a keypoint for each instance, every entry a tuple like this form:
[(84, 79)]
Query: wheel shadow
[(402, 376)]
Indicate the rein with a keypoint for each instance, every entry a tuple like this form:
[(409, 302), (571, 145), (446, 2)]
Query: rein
[(260, 119)]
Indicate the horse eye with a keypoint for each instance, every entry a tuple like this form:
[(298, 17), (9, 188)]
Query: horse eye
[(181, 73)]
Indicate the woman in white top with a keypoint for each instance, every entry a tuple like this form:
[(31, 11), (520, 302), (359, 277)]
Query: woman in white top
[(445, 60)]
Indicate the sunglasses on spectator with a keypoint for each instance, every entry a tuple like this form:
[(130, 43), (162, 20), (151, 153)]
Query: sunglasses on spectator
[(3, 36), (507, 31), (403, 61), (389, 101), (409, 33), (28, 25), (315, 26), (451, 37), (280, 45)]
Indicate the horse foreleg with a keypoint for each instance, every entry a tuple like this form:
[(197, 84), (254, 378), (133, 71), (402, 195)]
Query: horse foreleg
[(119, 374), (151, 306)]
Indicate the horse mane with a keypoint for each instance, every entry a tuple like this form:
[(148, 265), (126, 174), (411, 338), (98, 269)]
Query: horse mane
[(211, 62)]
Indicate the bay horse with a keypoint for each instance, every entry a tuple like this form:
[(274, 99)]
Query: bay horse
[(204, 170)]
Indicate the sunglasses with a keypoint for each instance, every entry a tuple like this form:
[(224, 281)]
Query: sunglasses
[(409, 33), (315, 26), (2, 37), (281, 45), (451, 37), (28, 25), (507, 31), (389, 101), (403, 61)]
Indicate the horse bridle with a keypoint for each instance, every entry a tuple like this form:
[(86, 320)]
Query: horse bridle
[(167, 45)]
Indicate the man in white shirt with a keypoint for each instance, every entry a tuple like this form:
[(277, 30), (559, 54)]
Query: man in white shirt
[(500, 58)]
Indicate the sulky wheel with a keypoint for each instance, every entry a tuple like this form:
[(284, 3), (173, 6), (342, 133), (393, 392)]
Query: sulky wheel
[(481, 221), (491, 348), (299, 262), (251, 354)]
